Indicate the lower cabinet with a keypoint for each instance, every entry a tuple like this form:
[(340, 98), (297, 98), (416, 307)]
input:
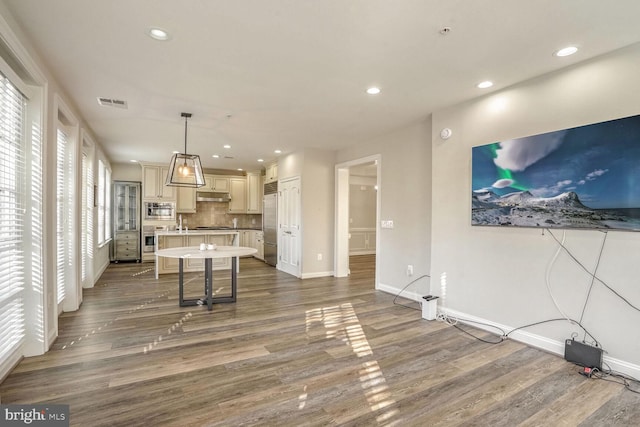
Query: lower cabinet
[(171, 265), (259, 245), (127, 246)]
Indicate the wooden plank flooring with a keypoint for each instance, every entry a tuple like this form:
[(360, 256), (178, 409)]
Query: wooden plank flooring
[(317, 352)]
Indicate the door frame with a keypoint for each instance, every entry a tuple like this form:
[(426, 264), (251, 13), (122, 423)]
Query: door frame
[(341, 245)]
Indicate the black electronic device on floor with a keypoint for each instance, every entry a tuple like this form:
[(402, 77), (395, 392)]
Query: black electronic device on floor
[(583, 354)]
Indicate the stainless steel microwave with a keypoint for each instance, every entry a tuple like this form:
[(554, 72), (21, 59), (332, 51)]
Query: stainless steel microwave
[(160, 211)]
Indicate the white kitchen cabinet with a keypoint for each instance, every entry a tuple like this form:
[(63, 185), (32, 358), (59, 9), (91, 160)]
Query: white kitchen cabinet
[(271, 173), (215, 183), (186, 200), (259, 245), (166, 242), (238, 194), (254, 193), (153, 179)]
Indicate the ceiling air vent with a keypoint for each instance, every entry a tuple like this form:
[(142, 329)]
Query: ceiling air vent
[(109, 102), (228, 157)]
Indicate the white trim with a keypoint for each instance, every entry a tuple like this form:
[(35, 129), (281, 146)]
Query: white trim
[(316, 274), (11, 362), (101, 270), (538, 341), (397, 292), (363, 252)]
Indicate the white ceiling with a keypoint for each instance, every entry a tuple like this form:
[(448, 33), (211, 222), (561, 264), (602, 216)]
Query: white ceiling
[(266, 74)]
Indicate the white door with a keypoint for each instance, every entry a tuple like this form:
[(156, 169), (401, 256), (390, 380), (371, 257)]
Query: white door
[(289, 227)]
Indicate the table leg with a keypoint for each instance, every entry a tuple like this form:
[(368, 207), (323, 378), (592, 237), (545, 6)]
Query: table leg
[(234, 278), (181, 282), (208, 273)]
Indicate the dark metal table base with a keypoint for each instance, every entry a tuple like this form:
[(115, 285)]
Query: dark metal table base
[(208, 298)]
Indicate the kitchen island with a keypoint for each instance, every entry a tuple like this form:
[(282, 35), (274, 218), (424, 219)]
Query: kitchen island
[(179, 239)]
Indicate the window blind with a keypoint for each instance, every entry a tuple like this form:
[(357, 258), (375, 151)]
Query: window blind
[(61, 217), (107, 204), (12, 218), (101, 216)]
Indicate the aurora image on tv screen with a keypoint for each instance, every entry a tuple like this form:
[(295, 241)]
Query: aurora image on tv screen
[(585, 177)]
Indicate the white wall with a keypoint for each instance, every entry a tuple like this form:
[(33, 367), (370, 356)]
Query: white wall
[(498, 274), (362, 206), (405, 194), (315, 168), (126, 172)]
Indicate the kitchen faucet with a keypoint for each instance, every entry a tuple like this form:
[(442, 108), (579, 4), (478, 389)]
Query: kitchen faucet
[(180, 223)]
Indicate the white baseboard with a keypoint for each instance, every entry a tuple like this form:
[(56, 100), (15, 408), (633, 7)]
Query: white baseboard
[(10, 362), (537, 341), (100, 271), (404, 294), (316, 274), (363, 252)]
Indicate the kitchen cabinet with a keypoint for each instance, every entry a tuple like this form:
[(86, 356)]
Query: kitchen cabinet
[(238, 194), (153, 179), (166, 242), (126, 221), (172, 239), (186, 200), (214, 183), (271, 173), (258, 243), (254, 193)]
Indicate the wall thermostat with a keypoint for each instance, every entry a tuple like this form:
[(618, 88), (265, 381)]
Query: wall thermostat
[(446, 133)]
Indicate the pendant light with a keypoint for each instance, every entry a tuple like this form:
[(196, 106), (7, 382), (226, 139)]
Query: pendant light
[(185, 170)]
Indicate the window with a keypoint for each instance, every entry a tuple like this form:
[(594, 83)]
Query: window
[(107, 204), (13, 196), (101, 169), (104, 204), (64, 212), (87, 218)]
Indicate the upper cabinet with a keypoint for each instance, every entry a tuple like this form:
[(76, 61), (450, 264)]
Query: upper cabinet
[(238, 194), (271, 173), (218, 184), (186, 200), (254, 193), (153, 179)]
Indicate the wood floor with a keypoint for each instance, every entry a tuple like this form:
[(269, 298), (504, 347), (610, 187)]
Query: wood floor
[(317, 352)]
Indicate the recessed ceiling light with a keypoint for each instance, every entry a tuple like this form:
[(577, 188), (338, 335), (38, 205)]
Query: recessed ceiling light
[(277, 151), (158, 34), (373, 90), (260, 160), (133, 161), (239, 169), (216, 156), (227, 146), (485, 84), (570, 50), (175, 152)]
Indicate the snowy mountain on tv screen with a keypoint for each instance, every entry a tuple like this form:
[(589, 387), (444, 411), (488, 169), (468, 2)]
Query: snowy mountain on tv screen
[(525, 210)]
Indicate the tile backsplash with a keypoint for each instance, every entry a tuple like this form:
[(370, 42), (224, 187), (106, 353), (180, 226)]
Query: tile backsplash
[(215, 214)]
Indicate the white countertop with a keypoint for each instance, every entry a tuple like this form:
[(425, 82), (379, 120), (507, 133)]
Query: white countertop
[(195, 232), (195, 252)]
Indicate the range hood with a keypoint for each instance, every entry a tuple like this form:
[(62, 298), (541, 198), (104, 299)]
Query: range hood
[(208, 196)]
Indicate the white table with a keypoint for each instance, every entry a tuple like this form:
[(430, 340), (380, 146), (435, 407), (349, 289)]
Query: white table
[(193, 252)]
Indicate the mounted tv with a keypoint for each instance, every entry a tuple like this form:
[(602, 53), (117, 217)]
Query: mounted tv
[(586, 177)]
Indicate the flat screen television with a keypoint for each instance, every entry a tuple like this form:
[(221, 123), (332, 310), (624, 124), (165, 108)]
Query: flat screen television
[(586, 177)]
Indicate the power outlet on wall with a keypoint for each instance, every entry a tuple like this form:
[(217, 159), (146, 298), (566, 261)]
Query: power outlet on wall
[(409, 270), (319, 257)]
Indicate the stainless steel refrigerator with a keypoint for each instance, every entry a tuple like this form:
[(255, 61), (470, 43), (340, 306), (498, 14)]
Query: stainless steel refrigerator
[(126, 221), (270, 222)]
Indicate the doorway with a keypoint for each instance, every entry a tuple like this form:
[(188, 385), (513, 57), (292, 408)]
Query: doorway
[(361, 173)]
